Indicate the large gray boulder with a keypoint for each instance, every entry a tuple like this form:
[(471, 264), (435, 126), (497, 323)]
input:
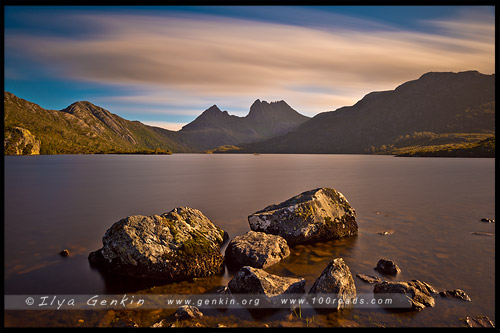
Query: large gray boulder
[(315, 215), (336, 280), (250, 280), (178, 245), (256, 249), (413, 294)]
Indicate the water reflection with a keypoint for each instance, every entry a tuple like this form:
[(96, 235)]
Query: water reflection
[(432, 205)]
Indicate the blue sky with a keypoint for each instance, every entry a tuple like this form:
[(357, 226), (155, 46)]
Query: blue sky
[(165, 65)]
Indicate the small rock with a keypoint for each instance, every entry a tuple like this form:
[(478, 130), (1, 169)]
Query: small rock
[(188, 312), (336, 279), (413, 294), (385, 232), (221, 326), (369, 278), (196, 325), (256, 249), (161, 323), (487, 220), (223, 291), (489, 234), (250, 280), (457, 293), (479, 321), (64, 253), (387, 266)]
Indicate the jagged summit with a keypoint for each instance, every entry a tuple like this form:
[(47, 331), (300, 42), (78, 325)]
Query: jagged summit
[(264, 111), (215, 127)]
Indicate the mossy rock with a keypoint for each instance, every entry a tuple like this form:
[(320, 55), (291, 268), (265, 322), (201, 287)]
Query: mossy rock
[(178, 245), (316, 215)]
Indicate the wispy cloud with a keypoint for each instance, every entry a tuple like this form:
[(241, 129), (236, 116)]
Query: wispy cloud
[(207, 58), (165, 124)]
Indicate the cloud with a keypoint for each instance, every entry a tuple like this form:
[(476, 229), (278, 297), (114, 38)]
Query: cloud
[(165, 124), (205, 58)]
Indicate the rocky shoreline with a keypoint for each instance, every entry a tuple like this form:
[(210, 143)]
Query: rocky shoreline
[(184, 244)]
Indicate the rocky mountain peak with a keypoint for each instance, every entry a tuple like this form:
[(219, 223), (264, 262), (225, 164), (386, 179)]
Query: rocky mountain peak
[(213, 109), (82, 107), (263, 110)]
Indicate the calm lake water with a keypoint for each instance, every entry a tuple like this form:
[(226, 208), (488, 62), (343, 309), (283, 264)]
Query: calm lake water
[(432, 204)]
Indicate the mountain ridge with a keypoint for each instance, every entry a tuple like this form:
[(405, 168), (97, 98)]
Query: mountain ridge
[(445, 110), (77, 130), (441, 102)]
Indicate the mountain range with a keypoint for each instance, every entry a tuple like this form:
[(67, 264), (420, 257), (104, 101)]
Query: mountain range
[(435, 103), (450, 112), (86, 128)]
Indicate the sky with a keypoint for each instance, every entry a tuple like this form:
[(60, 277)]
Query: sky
[(165, 65)]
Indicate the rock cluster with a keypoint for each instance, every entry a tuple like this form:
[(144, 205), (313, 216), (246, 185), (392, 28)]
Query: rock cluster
[(335, 282), (184, 243)]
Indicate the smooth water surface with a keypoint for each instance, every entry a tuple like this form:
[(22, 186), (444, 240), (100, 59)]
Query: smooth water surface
[(432, 204)]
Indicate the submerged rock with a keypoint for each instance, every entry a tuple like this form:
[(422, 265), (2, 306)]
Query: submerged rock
[(250, 280), (485, 220), (315, 215), (178, 245), (480, 233), (387, 266), (188, 312), (369, 278), (413, 294), (479, 321), (336, 280), (457, 293), (256, 249)]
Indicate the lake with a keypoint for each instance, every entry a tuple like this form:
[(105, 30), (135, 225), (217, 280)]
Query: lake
[(433, 205)]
